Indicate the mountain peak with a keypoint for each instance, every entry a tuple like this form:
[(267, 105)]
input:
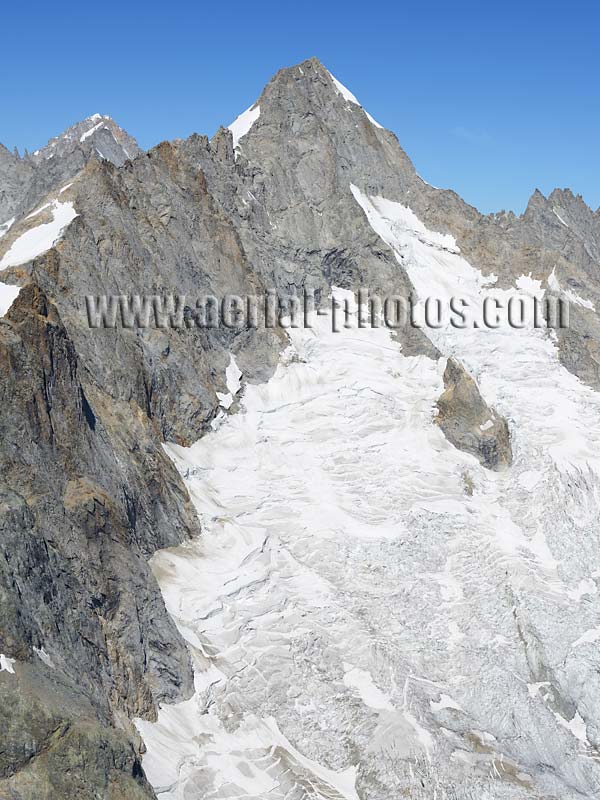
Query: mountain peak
[(313, 71), (558, 198), (535, 202), (28, 179), (295, 94), (97, 135)]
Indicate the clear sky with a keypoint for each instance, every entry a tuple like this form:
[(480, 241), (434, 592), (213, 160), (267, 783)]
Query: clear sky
[(489, 99)]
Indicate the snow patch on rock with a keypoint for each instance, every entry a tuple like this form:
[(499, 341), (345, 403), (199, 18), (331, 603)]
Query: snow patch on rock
[(6, 664), (6, 226), (242, 124), (350, 98), (91, 131), (37, 240), (233, 382), (43, 656), (371, 695), (8, 295), (571, 296)]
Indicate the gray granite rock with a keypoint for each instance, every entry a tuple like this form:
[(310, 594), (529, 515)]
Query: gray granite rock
[(24, 180), (469, 423)]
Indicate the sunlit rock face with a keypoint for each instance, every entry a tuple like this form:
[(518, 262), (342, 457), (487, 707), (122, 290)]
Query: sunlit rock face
[(469, 423)]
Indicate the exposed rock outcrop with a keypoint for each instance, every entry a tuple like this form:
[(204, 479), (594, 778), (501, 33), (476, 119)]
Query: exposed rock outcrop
[(469, 423), (87, 495)]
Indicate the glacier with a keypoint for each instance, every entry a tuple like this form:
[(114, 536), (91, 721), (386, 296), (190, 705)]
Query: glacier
[(370, 593)]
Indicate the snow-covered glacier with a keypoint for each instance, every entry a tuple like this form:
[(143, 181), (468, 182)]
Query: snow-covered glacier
[(371, 613)]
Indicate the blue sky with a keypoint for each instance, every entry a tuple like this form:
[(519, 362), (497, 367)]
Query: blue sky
[(489, 99)]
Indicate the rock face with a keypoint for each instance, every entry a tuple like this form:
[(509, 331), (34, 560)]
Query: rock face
[(79, 518), (306, 192), (469, 423), (54, 746)]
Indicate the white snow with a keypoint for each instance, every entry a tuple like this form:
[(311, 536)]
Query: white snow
[(37, 240), (571, 296), (261, 482), (253, 761), (387, 217), (242, 124), (444, 702), (589, 637), (559, 217), (43, 655), (38, 210), (8, 294), (371, 695), (225, 399), (559, 418), (343, 568), (530, 478), (350, 98), (427, 182), (535, 688), (6, 664), (6, 226), (487, 425), (586, 587), (372, 120), (216, 422), (346, 93), (576, 725), (91, 131), (553, 281), (529, 285), (232, 376)]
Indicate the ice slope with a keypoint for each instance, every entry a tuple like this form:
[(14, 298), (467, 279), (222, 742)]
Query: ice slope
[(94, 128), (37, 240), (571, 296), (242, 124), (8, 294), (232, 379), (350, 98), (371, 613)]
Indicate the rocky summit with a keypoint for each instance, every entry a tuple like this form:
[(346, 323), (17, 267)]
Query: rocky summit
[(293, 562)]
